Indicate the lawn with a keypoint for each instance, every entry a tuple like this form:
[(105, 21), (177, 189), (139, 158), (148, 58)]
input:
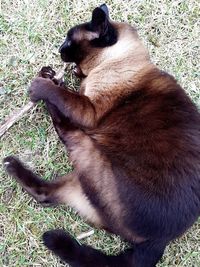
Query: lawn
[(30, 34)]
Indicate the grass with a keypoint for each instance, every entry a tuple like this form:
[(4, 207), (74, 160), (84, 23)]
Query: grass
[(31, 32)]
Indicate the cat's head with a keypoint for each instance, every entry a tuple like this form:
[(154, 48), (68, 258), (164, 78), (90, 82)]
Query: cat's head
[(90, 43)]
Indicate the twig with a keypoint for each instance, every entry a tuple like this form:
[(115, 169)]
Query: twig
[(60, 74), (18, 113), (84, 235)]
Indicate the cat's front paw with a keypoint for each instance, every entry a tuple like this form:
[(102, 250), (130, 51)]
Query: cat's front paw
[(47, 72), (40, 89), (78, 72)]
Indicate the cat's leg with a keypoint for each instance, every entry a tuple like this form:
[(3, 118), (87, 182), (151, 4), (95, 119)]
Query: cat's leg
[(144, 254), (64, 190), (62, 124)]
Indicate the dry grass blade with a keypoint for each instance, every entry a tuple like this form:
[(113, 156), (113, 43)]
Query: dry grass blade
[(15, 116), (84, 235)]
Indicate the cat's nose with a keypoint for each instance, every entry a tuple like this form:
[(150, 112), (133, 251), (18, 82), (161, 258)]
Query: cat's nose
[(66, 44), (62, 47)]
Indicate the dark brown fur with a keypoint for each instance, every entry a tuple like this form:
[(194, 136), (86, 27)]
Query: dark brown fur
[(133, 136)]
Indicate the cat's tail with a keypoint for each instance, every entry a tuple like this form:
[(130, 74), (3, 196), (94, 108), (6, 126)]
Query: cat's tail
[(145, 254)]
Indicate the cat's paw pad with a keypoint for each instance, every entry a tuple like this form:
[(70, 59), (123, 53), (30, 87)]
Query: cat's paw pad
[(47, 72)]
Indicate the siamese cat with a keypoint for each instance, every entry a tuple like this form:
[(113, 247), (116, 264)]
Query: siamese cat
[(133, 136)]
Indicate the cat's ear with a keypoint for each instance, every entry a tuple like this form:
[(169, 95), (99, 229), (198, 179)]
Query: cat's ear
[(100, 20), (105, 9)]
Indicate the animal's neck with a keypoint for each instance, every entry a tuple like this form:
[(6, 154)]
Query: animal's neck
[(117, 77), (129, 49), (118, 68)]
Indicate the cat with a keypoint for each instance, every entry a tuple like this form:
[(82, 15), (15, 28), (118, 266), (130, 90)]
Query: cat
[(133, 136)]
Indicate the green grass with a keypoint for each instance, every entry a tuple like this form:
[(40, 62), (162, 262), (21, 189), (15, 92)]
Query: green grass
[(30, 34)]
